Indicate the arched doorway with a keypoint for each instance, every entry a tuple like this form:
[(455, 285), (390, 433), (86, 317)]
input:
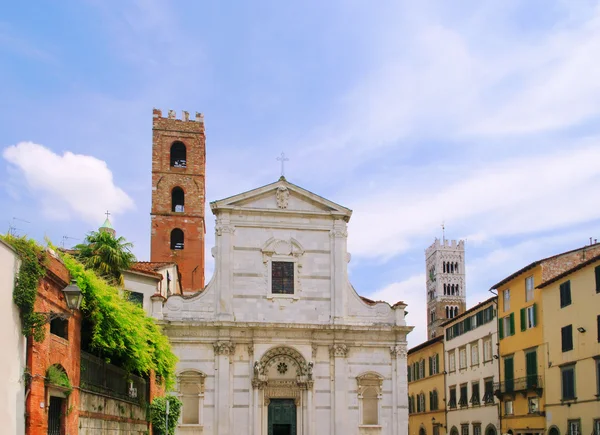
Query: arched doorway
[(454, 431), (553, 431), (490, 430), (422, 431)]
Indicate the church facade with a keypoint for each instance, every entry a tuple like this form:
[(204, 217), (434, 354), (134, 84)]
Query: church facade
[(279, 342)]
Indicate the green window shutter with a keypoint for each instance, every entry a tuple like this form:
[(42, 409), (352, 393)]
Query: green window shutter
[(597, 270), (512, 323), (534, 314), (430, 367), (409, 375), (523, 324), (437, 362), (501, 328)]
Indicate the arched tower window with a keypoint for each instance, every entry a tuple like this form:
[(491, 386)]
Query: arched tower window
[(178, 155), (456, 267), (177, 200), (447, 312), (177, 239), (455, 311), (444, 266)]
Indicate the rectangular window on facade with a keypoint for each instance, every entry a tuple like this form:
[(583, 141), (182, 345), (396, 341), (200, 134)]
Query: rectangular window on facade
[(451, 361), (508, 407), (476, 429), (507, 326), (565, 294), (434, 363), (487, 349), (529, 288), (506, 299), (136, 298), (574, 427), (452, 401), (598, 380), (282, 277), (463, 400), (597, 426), (533, 404), (464, 429), (60, 327), (598, 322), (509, 374), (528, 317), (369, 407), (566, 333), (488, 396), (474, 354), (436, 429), (421, 369), (475, 393), (531, 368), (568, 382), (597, 272), (462, 358)]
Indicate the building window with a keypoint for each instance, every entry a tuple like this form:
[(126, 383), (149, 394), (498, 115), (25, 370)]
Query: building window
[(528, 317), (421, 369), (574, 427), (509, 374), (411, 406), (476, 429), (436, 429), (136, 298), (598, 327), (60, 327), (462, 358), (452, 401), (507, 326), (369, 394), (463, 401), (191, 394), (177, 239), (178, 155), (597, 272), (177, 200), (464, 429), (434, 364), (528, 288), (452, 361), (433, 400), (506, 294), (597, 427), (508, 407), (531, 368), (474, 354), (533, 405), (566, 333), (488, 396), (282, 277), (565, 294), (598, 380), (475, 393), (487, 349), (568, 382), (421, 402)]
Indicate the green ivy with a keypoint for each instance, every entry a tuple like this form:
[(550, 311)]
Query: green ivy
[(121, 330), (27, 281), (158, 410), (56, 376)]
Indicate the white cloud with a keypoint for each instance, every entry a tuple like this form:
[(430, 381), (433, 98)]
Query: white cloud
[(67, 185)]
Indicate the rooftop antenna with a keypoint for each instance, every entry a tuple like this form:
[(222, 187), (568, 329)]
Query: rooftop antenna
[(443, 233), (11, 227), (64, 238)]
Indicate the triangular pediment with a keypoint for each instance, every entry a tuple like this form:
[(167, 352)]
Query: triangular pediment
[(282, 197)]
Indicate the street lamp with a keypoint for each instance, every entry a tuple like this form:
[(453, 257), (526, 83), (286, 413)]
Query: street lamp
[(73, 295)]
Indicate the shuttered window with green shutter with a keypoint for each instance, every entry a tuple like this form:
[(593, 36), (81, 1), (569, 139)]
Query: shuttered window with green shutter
[(501, 328), (523, 320), (597, 270), (512, 323), (531, 367)]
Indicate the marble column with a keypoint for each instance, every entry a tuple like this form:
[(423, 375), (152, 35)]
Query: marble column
[(400, 384), (224, 267), (224, 351), (339, 353), (338, 236)]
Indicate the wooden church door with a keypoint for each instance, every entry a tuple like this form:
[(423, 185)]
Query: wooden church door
[(282, 417)]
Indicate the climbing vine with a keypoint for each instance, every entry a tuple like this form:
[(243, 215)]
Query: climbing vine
[(27, 281), (121, 332), (158, 414)]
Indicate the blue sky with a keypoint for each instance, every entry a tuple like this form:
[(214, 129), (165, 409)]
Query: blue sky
[(480, 114)]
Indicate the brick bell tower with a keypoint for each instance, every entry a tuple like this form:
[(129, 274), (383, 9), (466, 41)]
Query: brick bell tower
[(445, 283), (178, 192)]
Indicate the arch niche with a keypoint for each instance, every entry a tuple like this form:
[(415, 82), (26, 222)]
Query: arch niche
[(283, 384)]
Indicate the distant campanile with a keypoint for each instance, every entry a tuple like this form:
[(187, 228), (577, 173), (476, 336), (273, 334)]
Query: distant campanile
[(446, 289), (178, 195)]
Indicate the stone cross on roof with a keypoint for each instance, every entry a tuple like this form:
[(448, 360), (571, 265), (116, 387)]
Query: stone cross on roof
[(282, 159)]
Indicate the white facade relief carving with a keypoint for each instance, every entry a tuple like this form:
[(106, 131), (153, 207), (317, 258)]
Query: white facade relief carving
[(279, 324)]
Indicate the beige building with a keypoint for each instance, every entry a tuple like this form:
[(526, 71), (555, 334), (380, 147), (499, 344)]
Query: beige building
[(427, 414), (571, 327)]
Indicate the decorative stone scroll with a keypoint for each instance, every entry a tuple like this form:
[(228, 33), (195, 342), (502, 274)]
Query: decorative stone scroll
[(338, 350), (224, 348)]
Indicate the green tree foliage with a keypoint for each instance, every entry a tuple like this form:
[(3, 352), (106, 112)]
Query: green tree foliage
[(158, 410), (27, 281), (107, 255), (121, 331)]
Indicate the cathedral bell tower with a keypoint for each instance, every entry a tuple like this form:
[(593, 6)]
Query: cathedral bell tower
[(178, 194), (446, 290)]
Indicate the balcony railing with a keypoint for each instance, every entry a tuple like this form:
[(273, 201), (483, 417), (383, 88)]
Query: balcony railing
[(528, 383)]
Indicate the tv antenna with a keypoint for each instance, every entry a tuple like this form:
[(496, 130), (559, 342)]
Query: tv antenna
[(12, 230), (65, 238)]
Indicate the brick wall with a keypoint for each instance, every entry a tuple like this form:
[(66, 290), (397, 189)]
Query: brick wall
[(561, 263), (191, 179)]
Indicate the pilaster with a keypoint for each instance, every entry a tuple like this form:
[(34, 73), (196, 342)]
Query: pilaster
[(339, 353), (224, 351)]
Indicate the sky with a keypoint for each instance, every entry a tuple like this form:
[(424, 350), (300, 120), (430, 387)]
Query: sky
[(481, 115)]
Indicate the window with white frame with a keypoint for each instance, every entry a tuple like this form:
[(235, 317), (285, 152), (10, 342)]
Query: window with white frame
[(574, 427), (451, 361), (462, 358), (506, 294), (476, 428), (530, 316), (474, 354), (369, 395), (421, 369), (508, 407), (529, 288), (191, 394), (487, 349)]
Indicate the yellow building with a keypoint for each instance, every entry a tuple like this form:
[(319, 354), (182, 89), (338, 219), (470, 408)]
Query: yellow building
[(522, 347), (571, 325), (426, 401)]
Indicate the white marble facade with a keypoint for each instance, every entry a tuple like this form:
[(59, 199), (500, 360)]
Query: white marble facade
[(252, 355)]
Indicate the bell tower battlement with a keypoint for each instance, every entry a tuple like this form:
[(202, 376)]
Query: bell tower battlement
[(445, 283), (178, 195)]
